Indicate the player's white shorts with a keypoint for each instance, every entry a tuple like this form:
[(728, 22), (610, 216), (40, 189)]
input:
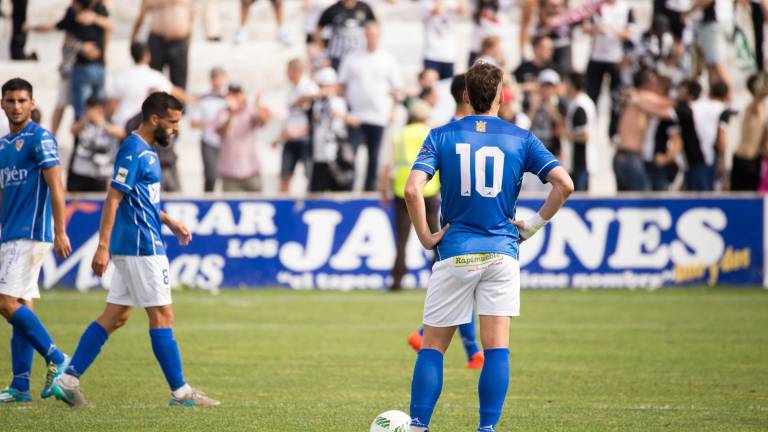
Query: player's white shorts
[(141, 281), (491, 280), (20, 264)]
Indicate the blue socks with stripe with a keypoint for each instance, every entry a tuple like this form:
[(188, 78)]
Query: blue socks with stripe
[(22, 355), (426, 386), (87, 350), (492, 388), (469, 338), (30, 327), (167, 354)]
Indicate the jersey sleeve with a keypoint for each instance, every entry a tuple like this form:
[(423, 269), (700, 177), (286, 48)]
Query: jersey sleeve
[(46, 151), (579, 122), (427, 159), (127, 165), (539, 160)]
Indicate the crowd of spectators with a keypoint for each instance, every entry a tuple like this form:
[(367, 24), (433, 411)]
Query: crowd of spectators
[(670, 90)]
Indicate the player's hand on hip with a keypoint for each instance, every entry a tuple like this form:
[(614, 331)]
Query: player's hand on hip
[(62, 246), (100, 261), (520, 229), (430, 240)]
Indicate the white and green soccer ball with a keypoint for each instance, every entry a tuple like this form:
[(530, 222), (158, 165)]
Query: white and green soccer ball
[(391, 421)]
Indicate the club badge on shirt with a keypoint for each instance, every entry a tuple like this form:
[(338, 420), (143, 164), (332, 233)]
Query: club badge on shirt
[(19, 144), (480, 126)]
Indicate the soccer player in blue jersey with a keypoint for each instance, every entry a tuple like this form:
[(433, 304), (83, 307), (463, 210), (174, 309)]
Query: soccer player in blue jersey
[(481, 160), (32, 217), (467, 330), (130, 231)]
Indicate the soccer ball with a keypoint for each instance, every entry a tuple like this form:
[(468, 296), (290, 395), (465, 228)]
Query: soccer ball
[(391, 421)]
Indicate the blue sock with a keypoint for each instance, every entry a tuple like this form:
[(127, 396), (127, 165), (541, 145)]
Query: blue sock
[(22, 354), (32, 329), (469, 338), (88, 349), (494, 380), (167, 354), (426, 386)]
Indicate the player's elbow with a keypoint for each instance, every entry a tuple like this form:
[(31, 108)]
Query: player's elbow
[(412, 191), (564, 184)]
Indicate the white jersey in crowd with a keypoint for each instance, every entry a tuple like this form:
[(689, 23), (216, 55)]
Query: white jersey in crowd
[(585, 103), (439, 34), (327, 128), (609, 47), (131, 86), (491, 25), (370, 79), (708, 119), (297, 117), (207, 112)]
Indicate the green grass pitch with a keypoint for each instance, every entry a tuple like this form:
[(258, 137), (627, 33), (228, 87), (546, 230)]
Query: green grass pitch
[(279, 360)]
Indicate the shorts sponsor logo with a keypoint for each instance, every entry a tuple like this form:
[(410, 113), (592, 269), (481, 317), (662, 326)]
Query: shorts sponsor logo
[(476, 259), (122, 175)]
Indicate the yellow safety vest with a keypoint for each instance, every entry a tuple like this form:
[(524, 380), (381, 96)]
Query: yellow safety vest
[(407, 143)]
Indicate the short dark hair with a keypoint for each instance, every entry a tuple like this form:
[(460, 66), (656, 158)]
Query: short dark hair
[(538, 39), (577, 80), (138, 51), (719, 90), (757, 83), (692, 87), (483, 81), (15, 84), (641, 77), (158, 103), (458, 85), (95, 100)]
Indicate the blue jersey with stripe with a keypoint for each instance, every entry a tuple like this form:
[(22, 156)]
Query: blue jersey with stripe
[(137, 229), (26, 209), (481, 160)]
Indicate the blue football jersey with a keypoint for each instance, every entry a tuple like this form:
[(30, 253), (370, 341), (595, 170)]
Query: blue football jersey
[(137, 224), (26, 209), (481, 160)]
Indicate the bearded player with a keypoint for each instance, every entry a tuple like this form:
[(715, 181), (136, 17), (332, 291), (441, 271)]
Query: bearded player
[(130, 232)]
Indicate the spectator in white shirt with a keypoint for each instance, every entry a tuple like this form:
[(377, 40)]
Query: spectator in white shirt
[(296, 128), (439, 34), (371, 80), (609, 28), (205, 116), (131, 86)]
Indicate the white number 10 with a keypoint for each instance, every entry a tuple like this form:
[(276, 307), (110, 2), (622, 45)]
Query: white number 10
[(495, 153)]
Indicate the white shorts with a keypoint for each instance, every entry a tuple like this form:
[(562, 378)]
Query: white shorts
[(141, 281), (488, 279), (20, 264)]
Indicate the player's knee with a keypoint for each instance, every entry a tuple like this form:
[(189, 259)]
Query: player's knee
[(8, 306)]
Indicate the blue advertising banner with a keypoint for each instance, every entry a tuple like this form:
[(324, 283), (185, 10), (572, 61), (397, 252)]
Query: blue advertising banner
[(349, 244)]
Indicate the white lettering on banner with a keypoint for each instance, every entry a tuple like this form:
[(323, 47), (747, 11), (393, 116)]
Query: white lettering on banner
[(321, 226), (639, 243), (252, 248), (415, 255), (347, 281), (697, 230), (570, 230), (255, 218), (372, 238), (80, 258), (205, 272)]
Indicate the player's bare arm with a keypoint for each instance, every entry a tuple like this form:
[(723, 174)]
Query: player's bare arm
[(61, 244), (182, 233), (562, 188), (101, 258), (414, 199)]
